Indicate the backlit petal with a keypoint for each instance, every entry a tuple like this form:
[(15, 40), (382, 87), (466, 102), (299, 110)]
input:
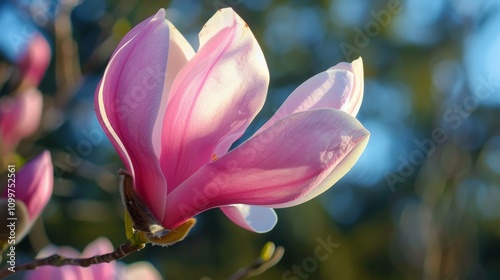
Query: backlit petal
[(215, 96), (141, 270), (98, 247), (253, 218), (179, 53), (127, 102), (340, 87), (34, 184), (293, 161)]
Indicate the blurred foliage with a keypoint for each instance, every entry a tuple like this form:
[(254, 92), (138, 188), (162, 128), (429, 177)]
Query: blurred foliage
[(411, 208)]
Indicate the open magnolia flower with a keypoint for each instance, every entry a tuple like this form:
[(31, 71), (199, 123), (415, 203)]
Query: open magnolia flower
[(173, 114)]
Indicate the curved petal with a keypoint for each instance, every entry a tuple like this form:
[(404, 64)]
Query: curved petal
[(20, 117), (179, 53), (215, 97), (99, 247), (339, 87), (253, 218), (284, 164), (353, 103), (34, 183), (127, 103)]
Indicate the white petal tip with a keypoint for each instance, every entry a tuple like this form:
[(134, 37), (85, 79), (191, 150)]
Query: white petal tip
[(253, 218)]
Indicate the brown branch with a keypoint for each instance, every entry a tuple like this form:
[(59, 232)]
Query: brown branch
[(57, 260)]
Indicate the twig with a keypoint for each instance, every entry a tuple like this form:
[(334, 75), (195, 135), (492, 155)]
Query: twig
[(57, 260)]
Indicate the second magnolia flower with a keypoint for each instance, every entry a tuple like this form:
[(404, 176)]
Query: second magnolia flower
[(173, 114)]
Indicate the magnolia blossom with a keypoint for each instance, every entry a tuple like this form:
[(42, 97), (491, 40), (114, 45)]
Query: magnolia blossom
[(30, 189), (172, 114), (34, 61), (104, 271), (19, 117), (22, 43)]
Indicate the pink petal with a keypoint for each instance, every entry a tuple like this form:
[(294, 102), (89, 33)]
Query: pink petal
[(35, 61), (19, 117), (34, 183), (215, 96), (127, 102), (291, 162), (353, 102), (340, 87), (253, 218), (179, 53), (142, 270), (99, 247)]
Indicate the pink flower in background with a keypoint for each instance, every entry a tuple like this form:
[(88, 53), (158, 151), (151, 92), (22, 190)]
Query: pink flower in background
[(173, 114), (35, 61), (105, 271), (32, 188), (19, 117)]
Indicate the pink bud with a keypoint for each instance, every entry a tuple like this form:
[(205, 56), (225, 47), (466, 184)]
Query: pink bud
[(30, 188), (35, 61), (19, 117)]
